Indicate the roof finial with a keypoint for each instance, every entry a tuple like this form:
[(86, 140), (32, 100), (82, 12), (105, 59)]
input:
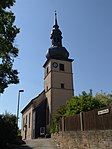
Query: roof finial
[(56, 22)]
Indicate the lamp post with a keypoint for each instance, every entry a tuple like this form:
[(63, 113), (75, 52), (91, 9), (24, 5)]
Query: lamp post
[(18, 104)]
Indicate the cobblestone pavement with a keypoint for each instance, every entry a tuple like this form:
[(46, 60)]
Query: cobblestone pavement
[(39, 144)]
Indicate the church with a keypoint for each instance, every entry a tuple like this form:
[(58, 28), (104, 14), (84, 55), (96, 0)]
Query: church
[(58, 88)]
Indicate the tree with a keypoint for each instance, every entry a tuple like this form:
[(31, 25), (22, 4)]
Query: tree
[(8, 130), (104, 98), (84, 102), (8, 51), (60, 113)]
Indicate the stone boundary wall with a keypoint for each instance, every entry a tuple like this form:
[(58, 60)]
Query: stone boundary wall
[(100, 139)]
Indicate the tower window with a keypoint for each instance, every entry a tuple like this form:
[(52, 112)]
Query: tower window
[(46, 88), (62, 67), (62, 85)]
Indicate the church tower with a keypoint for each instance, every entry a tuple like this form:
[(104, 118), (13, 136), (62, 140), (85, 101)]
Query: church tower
[(58, 76), (58, 88)]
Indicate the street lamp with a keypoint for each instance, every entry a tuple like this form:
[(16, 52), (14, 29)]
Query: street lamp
[(18, 105)]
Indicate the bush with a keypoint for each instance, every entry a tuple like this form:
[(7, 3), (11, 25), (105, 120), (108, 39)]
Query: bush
[(8, 130), (54, 127)]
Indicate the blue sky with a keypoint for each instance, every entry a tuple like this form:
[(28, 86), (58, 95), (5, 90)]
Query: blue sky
[(87, 34)]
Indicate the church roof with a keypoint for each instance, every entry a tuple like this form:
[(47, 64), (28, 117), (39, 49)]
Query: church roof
[(32, 101)]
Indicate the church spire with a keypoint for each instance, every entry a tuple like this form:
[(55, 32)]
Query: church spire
[(56, 22), (57, 51), (56, 34)]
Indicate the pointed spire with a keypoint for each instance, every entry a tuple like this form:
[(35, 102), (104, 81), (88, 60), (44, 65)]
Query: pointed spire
[(55, 21), (57, 51), (56, 34)]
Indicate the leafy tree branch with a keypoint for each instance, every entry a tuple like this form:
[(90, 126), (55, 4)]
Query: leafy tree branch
[(8, 50)]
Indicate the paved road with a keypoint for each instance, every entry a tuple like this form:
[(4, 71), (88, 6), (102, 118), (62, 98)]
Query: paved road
[(39, 144)]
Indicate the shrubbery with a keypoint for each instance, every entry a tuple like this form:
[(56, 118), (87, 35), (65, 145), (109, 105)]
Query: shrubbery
[(81, 103), (8, 130)]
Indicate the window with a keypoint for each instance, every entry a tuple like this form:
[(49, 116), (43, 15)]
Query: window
[(62, 85), (29, 119), (46, 88), (62, 67), (23, 123), (26, 119)]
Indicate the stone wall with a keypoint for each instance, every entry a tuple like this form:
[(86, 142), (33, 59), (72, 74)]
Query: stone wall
[(84, 139)]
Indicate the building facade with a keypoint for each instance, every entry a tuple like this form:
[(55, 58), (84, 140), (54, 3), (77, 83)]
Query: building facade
[(58, 88)]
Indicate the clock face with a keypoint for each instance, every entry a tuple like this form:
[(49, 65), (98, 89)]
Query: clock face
[(55, 65)]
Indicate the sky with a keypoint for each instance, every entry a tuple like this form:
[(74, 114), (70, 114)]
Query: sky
[(86, 27)]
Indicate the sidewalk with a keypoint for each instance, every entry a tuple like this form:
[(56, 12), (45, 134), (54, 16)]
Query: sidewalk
[(39, 144)]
